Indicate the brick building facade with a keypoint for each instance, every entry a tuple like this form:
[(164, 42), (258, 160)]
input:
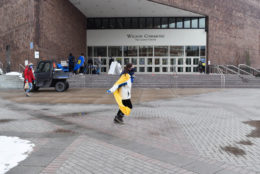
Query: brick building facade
[(56, 28), (233, 28)]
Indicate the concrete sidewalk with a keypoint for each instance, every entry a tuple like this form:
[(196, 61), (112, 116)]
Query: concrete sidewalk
[(169, 131)]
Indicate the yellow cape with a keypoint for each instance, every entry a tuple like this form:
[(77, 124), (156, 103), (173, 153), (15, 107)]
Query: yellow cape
[(126, 110)]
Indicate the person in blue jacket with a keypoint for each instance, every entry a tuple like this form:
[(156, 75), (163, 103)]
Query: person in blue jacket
[(80, 64)]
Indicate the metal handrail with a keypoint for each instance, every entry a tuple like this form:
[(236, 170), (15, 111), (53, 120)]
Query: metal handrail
[(21, 66), (239, 70), (227, 69), (250, 68)]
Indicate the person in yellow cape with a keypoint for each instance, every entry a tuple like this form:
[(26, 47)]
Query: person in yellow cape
[(122, 93)]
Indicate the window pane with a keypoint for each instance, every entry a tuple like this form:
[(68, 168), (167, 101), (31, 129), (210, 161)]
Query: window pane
[(161, 51), (172, 69), (103, 61), (165, 61), (164, 22), (202, 51), (202, 22), (164, 69), (187, 23), (195, 69), (141, 69), (90, 52), (91, 24), (103, 69), (188, 69), (114, 51), (157, 61), (194, 23), (180, 69), (150, 61), (176, 50), (105, 23), (188, 61), (141, 61), (98, 23), (134, 61), (157, 23), (149, 69), (195, 61), (149, 23), (127, 23), (100, 51), (130, 51), (157, 69), (126, 61), (120, 23), (145, 51), (112, 23), (171, 22), (192, 51), (142, 22), (180, 61), (179, 23), (173, 61), (135, 23)]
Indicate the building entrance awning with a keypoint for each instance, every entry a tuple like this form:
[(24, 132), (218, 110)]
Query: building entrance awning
[(128, 8)]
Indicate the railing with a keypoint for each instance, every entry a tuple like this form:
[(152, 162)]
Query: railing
[(249, 69), (215, 69), (238, 70), (21, 67)]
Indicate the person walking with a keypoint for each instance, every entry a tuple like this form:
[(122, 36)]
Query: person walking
[(28, 78), (122, 93)]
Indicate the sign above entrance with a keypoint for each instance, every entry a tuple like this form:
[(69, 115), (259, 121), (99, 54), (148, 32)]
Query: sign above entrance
[(146, 37)]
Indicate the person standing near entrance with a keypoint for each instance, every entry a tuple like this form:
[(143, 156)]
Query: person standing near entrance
[(122, 93), (71, 62), (29, 78)]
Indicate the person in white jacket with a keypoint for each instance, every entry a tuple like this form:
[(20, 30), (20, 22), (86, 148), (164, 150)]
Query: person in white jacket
[(122, 92)]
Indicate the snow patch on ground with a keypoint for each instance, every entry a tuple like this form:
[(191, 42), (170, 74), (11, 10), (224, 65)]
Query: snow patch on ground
[(12, 151), (15, 74)]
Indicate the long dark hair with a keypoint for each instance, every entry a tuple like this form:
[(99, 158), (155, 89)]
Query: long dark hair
[(127, 68)]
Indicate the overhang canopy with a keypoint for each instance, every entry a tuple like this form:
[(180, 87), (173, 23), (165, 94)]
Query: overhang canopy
[(128, 8)]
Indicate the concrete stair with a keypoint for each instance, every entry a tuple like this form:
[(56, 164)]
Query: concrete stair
[(168, 81), (150, 81), (10, 82)]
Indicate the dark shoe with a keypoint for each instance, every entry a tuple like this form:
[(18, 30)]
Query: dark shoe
[(118, 120)]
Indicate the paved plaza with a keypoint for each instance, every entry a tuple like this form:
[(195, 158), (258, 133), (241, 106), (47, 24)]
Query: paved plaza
[(178, 131)]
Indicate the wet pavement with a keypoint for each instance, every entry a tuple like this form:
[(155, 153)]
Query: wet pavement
[(169, 131)]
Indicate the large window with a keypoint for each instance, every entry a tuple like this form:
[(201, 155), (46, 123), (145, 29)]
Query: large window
[(100, 51), (192, 51), (157, 23), (202, 51), (176, 50), (161, 51), (146, 23), (90, 51), (130, 51), (202, 23), (115, 51), (186, 22), (145, 51)]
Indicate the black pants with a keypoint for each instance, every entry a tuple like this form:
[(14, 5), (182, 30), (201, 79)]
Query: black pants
[(126, 103)]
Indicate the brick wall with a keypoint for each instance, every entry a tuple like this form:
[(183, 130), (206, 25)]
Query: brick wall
[(55, 27), (16, 26), (60, 29), (233, 28)]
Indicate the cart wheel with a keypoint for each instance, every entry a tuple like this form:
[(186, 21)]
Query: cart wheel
[(67, 85), (60, 86)]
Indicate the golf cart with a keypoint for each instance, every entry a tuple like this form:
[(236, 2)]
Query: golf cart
[(48, 75)]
